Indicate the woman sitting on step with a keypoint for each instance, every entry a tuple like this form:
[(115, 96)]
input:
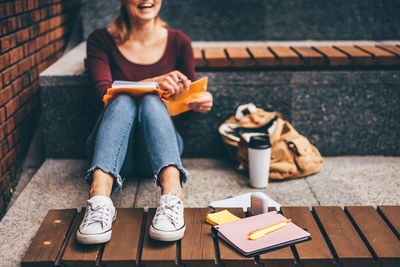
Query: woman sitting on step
[(137, 136)]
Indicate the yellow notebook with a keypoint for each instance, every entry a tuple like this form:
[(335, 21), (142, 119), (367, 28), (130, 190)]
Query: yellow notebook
[(176, 104), (221, 217)]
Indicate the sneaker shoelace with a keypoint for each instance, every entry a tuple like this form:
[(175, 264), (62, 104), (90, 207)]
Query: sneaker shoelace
[(169, 209), (97, 212)]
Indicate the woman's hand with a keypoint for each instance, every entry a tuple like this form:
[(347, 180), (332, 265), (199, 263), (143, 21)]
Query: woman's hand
[(202, 104), (175, 82)]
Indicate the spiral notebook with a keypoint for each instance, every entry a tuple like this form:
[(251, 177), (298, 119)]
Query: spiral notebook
[(236, 234)]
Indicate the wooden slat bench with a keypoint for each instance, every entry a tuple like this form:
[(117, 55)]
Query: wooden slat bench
[(315, 57), (355, 236)]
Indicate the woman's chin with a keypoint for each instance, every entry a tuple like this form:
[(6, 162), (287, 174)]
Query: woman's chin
[(146, 17)]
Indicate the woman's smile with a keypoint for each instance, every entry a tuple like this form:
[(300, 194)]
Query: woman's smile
[(145, 5), (144, 9)]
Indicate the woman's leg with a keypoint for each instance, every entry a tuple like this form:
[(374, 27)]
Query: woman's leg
[(161, 142), (109, 153), (111, 145), (162, 147)]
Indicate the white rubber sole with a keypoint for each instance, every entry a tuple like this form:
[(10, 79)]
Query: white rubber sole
[(167, 235), (95, 238)]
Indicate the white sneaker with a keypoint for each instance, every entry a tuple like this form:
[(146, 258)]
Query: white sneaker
[(168, 223), (95, 227)]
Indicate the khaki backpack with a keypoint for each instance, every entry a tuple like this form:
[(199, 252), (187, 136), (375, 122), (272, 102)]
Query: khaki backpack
[(292, 155)]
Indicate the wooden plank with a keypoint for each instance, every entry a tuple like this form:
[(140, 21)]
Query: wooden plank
[(216, 57), (197, 246), (262, 56), (286, 56), (46, 246), (357, 56), (240, 57), (391, 214), (198, 57), (77, 254), (157, 253), (228, 255), (122, 249), (382, 56), (391, 48), (279, 258), (309, 56), (316, 251), (377, 234), (334, 56), (347, 244)]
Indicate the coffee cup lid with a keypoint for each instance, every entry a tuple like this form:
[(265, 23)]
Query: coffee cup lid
[(259, 142)]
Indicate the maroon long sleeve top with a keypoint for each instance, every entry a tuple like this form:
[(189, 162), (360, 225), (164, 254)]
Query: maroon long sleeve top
[(105, 63)]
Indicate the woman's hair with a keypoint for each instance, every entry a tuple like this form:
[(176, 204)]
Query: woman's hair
[(120, 29)]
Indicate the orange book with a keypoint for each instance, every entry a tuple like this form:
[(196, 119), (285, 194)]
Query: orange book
[(176, 104)]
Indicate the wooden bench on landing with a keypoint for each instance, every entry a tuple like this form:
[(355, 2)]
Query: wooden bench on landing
[(278, 57), (355, 236)]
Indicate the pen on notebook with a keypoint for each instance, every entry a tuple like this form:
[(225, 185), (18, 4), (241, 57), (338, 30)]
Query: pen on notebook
[(256, 234)]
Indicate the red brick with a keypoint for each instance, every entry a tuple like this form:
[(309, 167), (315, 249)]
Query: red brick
[(24, 20), (25, 95), (8, 42), (33, 77), (23, 35), (11, 74), (2, 132), (2, 115), (57, 9), (17, 134), (17, 86), (36, 16), (26, 64), (42, 66), (10, 125), (4, 61), (3, 26), (21, 114), (18, 6), (7, 9), (43, 13), (44, 26), (12, 106), (16, 54), (3, 149), (30, 4), (11, 24), (5, 94), (9, 159), (10, 141)]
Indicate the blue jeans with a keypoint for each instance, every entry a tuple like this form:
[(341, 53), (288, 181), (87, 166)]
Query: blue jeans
[(135, 138)]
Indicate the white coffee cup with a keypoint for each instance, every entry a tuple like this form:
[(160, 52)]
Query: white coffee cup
[(259, 151)]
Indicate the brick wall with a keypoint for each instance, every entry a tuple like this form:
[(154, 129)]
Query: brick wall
[(33, 34)]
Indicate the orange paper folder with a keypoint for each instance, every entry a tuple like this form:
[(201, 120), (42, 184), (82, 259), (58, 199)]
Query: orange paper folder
[(236, 234), (176, 104)]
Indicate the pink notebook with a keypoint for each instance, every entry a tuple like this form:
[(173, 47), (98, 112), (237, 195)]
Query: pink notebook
[(236, 234)]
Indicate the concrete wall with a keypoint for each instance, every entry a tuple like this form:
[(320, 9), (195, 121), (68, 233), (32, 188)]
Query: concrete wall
[(210, 20), (341, 112)]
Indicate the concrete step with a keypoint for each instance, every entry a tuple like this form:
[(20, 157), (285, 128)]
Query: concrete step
[(59, 184)]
